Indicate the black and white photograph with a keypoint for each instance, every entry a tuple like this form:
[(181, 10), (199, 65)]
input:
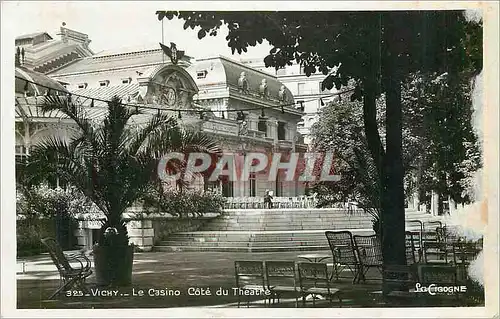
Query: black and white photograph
[(253, 159)]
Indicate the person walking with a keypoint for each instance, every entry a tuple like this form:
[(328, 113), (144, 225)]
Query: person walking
[(268, 200)]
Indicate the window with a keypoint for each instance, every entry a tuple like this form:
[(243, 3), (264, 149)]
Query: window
[(82, 85), (301, 88), (281, 131), (104, 83), (201, 74), (281, 71), (20, 157), (253, 183), (126, 81), (20, 150), (227, 187), (262, 126), (279, 186)]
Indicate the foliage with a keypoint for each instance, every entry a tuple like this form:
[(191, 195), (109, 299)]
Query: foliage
[(443, 144), (44, 202), (111, 162), (29, 233), (340, 130), (185, 203), (41, 208), (437, 138), (376, 50)]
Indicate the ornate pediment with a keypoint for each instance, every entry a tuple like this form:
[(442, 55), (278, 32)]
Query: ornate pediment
[(172, 87)]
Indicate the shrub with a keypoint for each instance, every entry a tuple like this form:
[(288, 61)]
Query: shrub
[(45, 212), (186, 203)]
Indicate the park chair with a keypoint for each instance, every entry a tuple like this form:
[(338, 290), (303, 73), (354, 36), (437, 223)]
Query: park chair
[(446, 235), (69, 276), (439, 276), (343, 253), (314, 280), (249, 276), (399, 281), (281, 279), (432, 225), (411, 251), (415, 223), (437, 253), (463, 254), (416, 237), (430, 233), (369, 254)]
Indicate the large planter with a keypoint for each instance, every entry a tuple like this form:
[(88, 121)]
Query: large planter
[(113, 265)]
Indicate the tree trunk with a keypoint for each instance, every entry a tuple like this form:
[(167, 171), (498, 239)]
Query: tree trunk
[(393, 211)]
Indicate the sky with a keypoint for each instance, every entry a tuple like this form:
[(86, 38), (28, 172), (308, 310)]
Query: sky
[(114, 25)]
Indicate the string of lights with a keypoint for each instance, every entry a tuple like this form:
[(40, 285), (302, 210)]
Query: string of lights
[(159, 108)]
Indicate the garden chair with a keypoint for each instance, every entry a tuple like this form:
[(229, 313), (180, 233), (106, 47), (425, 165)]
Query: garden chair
[(411, 250), (442, 276), (463, 254), (249, 276), (369, 254), (314, 280), (281, 279), (444, 234), (437, 253), (432, 225), (399, 281), (69, 276), (430, 233), (415, 223), (343, 253)]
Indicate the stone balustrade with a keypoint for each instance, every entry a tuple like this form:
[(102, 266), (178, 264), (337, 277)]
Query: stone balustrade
[(257, 202)]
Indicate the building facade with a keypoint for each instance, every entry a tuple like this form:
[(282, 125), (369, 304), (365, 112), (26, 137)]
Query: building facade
[(247, 110), (42, 53), (305, 89)]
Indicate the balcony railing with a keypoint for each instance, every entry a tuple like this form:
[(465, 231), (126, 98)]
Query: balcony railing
[(278, 202)]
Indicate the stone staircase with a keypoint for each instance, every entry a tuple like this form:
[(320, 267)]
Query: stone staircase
[(262, 230)]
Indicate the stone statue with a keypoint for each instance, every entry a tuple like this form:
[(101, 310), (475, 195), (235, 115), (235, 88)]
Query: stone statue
[(243, 83), (282, 94), (263, 90)]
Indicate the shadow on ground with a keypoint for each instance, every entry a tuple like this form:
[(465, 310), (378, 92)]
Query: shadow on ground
[(180, 276)]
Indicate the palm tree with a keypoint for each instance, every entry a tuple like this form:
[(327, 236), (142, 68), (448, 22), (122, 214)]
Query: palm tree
[(112, 162)]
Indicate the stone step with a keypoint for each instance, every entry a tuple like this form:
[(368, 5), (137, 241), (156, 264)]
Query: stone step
[(237, 249), (251, 230), (291, 244), (292, 220)]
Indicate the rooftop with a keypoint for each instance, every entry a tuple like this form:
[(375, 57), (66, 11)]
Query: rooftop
[(32, 35), (146, 55), (23, 73)]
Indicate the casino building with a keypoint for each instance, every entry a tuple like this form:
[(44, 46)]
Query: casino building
[(247, 110)]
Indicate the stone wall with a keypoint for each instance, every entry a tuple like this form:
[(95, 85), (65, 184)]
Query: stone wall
[(145, 232), (167, 226), (29, 233)]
